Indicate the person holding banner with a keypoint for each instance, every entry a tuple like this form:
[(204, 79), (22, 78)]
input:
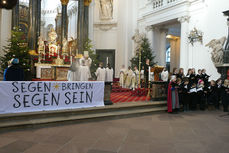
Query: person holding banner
[(14, 72)]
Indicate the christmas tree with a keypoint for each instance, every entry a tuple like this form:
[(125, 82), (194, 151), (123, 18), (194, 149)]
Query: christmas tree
[(146, 53), (94, 65), (17, 48)]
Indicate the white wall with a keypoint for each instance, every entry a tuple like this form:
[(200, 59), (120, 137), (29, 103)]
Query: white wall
[(208, 17), (119, 35), (205, 15)]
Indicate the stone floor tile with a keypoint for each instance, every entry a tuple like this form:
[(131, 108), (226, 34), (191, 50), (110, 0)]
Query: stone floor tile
[(43, 148), (134, 148), (16, 147), (5, 141)]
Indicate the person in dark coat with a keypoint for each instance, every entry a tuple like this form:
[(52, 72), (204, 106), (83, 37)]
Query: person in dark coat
[(205, 77), (146, 72), (192, 95), (212, 94), (201, 94), (225, 95), (183, 92), (15, 72)]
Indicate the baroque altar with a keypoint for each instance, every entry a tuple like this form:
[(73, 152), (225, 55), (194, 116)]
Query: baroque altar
[(54, 59)]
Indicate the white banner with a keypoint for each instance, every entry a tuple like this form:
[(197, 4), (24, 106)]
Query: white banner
[(26, 96)]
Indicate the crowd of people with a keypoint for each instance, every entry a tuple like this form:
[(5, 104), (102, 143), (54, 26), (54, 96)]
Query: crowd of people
[(80, 71), (187, 92), (129, 78)]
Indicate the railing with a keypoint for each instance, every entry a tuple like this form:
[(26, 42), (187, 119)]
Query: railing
[(161, 3)]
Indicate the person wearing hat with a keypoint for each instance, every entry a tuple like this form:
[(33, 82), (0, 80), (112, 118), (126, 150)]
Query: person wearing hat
[(14, 72)]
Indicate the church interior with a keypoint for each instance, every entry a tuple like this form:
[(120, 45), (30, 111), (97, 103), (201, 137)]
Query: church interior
[(79, 61)]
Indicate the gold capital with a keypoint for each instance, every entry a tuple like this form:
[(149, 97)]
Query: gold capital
[(87, 2), (64, 2)]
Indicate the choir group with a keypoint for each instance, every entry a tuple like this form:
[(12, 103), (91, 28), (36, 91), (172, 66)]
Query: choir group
[(187, 92)]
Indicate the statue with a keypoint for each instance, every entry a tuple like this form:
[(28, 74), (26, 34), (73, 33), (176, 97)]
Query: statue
[(73, 46), (41, 45), (217, 49), (52, 44), (65, 47), (52, 36), (137, 41), (106, 9)]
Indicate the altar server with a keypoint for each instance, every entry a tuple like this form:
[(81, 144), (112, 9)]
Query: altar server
[(101, 73), (73, 72), (84, 72), (122, 76), (164, 75), (109, 73)]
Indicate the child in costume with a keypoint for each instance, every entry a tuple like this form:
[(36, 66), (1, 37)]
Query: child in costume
[(173, 99)]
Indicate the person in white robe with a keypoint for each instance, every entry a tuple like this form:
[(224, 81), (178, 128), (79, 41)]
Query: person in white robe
[(164, 75), (122, 76), (129, 75), (101, 73), (136, 75), (84, 72), (109, 73), (73, 72)]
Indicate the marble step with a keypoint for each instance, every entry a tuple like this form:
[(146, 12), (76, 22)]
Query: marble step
[(77, 115)]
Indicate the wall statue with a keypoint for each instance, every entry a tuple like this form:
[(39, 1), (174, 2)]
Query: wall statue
[(138, 39), (217, 49), (41, 45), (106, 9), (65, 47)]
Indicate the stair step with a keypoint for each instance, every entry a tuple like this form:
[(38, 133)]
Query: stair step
[(45, 117)]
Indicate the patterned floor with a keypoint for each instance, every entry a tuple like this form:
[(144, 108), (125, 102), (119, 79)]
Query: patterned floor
[(126, 97)]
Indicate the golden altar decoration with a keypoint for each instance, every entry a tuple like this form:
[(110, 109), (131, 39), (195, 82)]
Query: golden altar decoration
[(52, 71)]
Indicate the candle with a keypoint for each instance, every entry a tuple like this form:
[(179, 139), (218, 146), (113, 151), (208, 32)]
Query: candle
[(107, 60), (149, 73)]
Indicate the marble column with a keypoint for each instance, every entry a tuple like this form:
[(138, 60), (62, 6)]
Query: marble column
[(163, 46), (15, 15), (64, 21), (39, 18), (184, 49), (86, 23), (80, 27), (34, 21)]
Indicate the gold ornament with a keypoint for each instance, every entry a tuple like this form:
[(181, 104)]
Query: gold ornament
[(64, 2), (87, 2)]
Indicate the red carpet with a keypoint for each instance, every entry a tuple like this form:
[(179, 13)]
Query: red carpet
[(126, 97)]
